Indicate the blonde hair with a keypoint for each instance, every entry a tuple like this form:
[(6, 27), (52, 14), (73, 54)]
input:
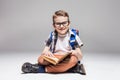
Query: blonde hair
[(60, 13)]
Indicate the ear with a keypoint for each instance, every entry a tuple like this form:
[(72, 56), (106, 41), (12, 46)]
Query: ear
[(69, 23), (53, 25)]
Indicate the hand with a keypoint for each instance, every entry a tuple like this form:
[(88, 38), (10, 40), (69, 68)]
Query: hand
[(77, 52), (74, 52), (48, 53)]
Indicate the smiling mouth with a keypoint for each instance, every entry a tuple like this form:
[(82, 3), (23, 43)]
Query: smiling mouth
[(62, 28)]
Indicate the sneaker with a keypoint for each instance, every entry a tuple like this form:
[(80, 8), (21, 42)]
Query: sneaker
[(82, 69), (78, 68), (30, 68)]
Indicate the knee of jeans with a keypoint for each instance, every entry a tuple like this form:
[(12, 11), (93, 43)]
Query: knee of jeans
[(40, 60), (74, 61)]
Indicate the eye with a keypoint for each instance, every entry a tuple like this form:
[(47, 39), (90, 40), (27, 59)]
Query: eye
[(58, 24)]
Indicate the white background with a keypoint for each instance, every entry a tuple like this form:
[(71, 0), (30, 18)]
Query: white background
[(25, 24)]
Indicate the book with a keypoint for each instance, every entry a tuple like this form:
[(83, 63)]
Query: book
[(55, 60)]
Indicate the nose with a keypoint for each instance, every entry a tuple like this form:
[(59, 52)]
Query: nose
[(61, 25)]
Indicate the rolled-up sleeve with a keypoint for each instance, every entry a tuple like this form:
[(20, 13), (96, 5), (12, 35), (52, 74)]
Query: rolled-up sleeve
[(48, 41), (78, 42)]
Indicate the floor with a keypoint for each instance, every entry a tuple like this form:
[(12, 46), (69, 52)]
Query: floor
[(100, 66)]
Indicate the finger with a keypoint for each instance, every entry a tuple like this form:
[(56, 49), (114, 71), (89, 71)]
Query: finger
[(53, 56), (46, 54), (42, 53)]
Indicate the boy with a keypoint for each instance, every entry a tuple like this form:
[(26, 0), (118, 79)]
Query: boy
[(62, 40)]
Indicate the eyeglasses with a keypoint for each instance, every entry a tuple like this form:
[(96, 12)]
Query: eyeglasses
[(58, 24)]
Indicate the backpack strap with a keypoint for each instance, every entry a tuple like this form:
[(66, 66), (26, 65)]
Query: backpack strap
[(73, 38), (53, 40), (75, 31)]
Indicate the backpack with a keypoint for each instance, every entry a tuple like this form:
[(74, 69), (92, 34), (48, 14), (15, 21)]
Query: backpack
[(73, 38), (53, 39)]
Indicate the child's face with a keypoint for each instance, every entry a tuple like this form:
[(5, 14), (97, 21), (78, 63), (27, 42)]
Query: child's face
[(61, 24)]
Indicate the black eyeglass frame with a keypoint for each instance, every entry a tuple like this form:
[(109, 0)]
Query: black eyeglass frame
[(58, 24)]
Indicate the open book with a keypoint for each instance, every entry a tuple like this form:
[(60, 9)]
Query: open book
[(54, 60)]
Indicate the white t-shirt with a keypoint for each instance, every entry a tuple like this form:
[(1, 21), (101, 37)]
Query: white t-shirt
[(62, 44)]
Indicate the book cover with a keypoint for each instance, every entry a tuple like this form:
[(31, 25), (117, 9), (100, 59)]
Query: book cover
[(55, 60)]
